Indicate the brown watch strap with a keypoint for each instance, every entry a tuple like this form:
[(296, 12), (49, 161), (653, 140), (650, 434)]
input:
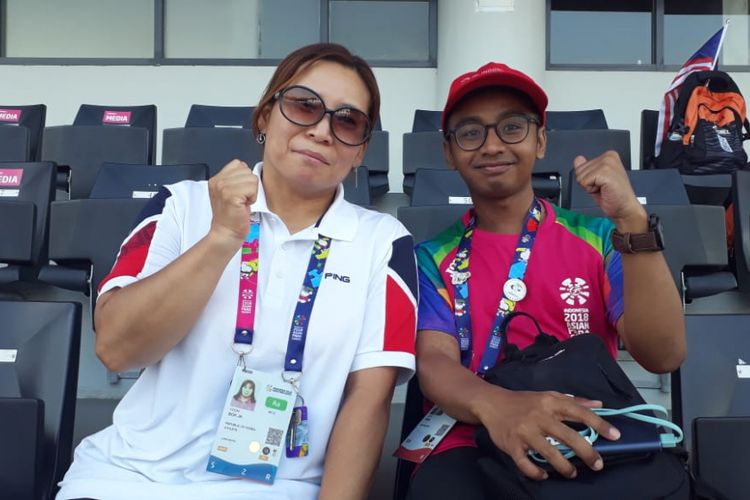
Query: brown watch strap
[(635, 242)]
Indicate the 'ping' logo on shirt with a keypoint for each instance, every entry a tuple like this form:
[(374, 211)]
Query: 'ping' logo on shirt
[(337, 277)]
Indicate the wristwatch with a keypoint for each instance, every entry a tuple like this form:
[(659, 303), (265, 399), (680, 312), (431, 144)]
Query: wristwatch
[(651, 241)]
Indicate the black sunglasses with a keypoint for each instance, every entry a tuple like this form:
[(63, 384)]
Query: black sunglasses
[(304, 107)]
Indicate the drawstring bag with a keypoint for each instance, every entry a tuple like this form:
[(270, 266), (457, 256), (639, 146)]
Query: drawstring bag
[(581, 366)]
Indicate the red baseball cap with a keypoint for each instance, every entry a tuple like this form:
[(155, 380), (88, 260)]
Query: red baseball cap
[(494, 75)]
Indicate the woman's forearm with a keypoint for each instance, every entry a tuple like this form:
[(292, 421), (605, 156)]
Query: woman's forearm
[(138, 324)]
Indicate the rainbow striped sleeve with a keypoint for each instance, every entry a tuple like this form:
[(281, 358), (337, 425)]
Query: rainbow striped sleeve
[(435, 306), (597, 232)]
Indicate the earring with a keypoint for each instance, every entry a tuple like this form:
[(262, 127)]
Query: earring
[(356, 178), (261, 139)]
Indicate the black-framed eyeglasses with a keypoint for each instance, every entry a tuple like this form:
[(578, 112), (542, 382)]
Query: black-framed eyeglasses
[(511, 129), (304, 107)]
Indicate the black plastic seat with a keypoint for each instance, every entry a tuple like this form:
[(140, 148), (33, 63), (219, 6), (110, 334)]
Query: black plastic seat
[(649, 124), (377, 162), (85, 236), (439, 187), (426, 120), (421, 150), (129, 116), (695, 246), (85, 148), (588, 119), (201, 115), (652, 187), (357, 187), (119, 180), (564, 145), (25, 220), (31, 118), (741, 215), (210, 145), (39, 346), (427, 221), (14, 144)]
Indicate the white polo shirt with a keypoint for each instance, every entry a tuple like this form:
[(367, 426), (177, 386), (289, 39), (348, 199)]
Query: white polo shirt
[(364, 316)]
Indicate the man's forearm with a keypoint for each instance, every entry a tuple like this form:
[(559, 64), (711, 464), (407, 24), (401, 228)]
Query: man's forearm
[(654, 326)]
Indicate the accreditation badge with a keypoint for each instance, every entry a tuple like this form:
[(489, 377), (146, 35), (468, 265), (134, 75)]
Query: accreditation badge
[(426, 436), (251, 435)]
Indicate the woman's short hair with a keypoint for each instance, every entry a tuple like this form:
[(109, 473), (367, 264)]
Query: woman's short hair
[(303, 58)]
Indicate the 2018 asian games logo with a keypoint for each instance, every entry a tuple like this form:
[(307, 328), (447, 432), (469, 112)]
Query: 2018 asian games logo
[(574, 291)]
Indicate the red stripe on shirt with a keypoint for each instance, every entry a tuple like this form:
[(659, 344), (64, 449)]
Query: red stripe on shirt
[(133, 253), (400, 318)]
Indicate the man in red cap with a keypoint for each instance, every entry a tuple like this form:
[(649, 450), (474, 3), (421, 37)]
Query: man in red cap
[(574, 274)]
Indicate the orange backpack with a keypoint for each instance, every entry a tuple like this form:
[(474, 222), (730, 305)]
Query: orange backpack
[(706, 132)]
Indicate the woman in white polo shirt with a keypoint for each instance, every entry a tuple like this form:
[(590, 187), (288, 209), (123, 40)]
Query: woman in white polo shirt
[(321, 313)]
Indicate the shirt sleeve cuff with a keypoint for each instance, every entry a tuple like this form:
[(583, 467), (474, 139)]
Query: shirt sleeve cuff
[(118, 282), (404, 361)]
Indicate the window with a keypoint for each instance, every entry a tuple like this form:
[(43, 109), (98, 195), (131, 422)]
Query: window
[(593, 32), (638, 34), (79, 28), (380, 30), (226, 32)]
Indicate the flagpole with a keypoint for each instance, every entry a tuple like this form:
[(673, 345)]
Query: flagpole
[(721, 42)]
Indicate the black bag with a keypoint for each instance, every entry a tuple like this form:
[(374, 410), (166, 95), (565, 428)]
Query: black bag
[(706, 131), (583, 366)]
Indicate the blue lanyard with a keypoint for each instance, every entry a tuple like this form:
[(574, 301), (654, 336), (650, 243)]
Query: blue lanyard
[(514, 289), (248, 293)]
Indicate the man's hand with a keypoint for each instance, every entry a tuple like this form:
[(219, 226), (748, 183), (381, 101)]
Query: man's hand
[(519, 421), (232, 191), (605, 179)]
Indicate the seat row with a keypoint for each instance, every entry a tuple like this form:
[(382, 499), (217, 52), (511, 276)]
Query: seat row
[(37, 406), (213, 135)]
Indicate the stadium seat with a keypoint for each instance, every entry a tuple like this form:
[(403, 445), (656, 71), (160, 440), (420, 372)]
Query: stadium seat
[(39, 344), (649, 124), (26, 190), (741, 213), (652, 187), (421, 150), (84, 149), (695, 248), (14, 144), (426, 121), (118, 180), (85, 236), (220, 116), (439, 187), (576, 120), (719, 454), (31, 118), (127, 116), (357, 187), (710, 382), (377, 162), (210, 145), (564, 145), (427, 221)]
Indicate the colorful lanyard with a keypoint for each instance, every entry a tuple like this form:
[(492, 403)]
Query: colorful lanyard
[(514, 289), (247, 300)]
